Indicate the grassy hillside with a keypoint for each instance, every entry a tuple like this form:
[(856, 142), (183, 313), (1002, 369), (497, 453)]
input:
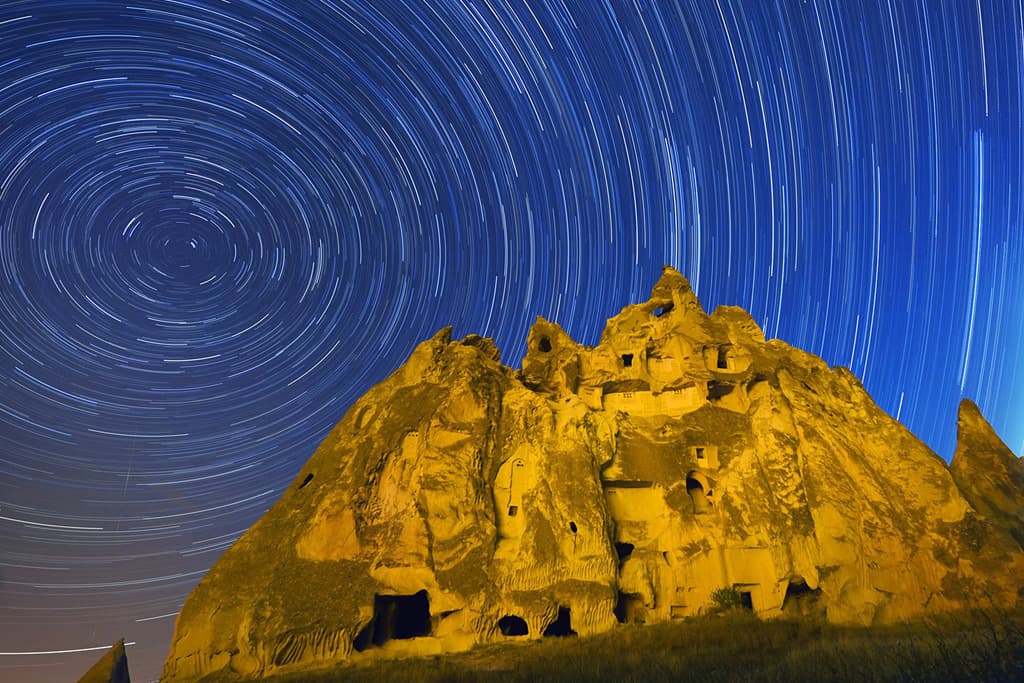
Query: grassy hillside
[(975, 646)]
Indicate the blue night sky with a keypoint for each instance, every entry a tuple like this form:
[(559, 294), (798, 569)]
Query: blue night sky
[(221, 221)]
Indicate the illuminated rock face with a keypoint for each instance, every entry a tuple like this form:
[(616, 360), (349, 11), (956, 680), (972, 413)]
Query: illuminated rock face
[(990, 476), (460, 501)]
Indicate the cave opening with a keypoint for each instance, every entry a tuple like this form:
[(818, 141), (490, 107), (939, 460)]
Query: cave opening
[(395, 617), (512, 625), (561, 626)]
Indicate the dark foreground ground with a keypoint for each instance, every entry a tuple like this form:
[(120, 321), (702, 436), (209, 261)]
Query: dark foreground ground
[(975, 646)]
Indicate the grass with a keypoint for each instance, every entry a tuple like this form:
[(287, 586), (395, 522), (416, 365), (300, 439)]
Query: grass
[(735, 646)]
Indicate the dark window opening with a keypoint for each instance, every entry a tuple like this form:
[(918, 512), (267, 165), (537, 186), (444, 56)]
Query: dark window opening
[(512, 625), (629, 608), (561, 626), (309, 478), (746, 602), (699, 452), (627, 360), (663, 310), (395, 617), (513, 510), (723, 359), (544, 344), (572, 527), (624, 550)]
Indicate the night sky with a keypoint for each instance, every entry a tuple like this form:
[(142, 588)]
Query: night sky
[(221, 222)]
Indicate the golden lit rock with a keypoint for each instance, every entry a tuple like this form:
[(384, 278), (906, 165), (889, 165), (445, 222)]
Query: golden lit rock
[(990, 476), (460, 501)]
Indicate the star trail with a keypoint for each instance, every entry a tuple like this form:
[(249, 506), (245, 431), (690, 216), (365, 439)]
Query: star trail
[(222, 221)]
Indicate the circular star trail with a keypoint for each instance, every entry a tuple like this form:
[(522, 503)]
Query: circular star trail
[(222, 221)]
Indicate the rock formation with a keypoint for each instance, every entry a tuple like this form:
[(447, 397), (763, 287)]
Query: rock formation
[(112, 667), (460, 501), (989, 475)]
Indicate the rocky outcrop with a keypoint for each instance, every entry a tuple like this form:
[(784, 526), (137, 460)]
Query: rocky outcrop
[(461, 501), (112, 667), (989, 475)]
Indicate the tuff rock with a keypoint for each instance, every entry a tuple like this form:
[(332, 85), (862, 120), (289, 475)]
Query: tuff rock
[(460, 501), (112, 667), (989, 475)]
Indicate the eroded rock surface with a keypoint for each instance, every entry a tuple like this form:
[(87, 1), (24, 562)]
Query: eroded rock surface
[(461, 501), (990, 476)]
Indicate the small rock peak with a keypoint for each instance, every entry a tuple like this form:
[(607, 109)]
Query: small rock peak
[(427, 356), (987, 472), (978, 445), (673, 291), (671, 279), (969, 414), (673, 308), (739, 322), (443, 335), (973, 428), (112, 667), (545, 335)]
